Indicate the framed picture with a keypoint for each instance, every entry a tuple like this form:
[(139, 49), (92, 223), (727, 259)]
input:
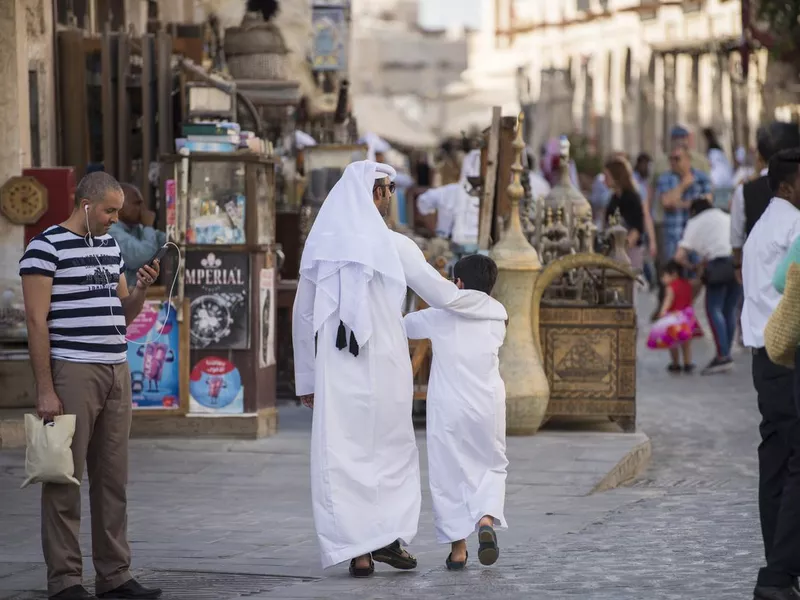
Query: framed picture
[(218, 285), (158, 358)]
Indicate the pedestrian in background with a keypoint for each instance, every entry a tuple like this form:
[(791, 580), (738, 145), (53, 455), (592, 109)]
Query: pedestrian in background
[(77, 306), (751, 199), (675, 191), (779, 452), (677, 298), (707, 235), (679, 137), (626, 201)]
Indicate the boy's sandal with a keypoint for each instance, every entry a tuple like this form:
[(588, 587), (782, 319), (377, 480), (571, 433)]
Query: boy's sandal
[(395, 556), (488, 551), (362, 571), (455, 565)]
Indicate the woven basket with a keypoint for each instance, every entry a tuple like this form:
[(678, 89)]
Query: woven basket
[(782, 333), (258, 66)]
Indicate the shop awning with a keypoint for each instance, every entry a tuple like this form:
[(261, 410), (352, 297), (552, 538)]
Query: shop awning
[(380, 116)]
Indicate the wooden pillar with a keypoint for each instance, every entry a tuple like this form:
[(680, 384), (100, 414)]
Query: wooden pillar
[(164, 80), (148, 115), (72, 96), (505, 158), (108, 100), (123, 109)]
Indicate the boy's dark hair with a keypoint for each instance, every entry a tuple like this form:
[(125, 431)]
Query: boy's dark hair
[(783, 168), (476, 272), (673, 267)]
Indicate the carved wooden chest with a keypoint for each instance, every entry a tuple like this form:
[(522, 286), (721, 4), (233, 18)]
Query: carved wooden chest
[(589, 355)]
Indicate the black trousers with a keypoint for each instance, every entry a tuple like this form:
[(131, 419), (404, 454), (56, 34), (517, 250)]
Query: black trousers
[(779, 468)]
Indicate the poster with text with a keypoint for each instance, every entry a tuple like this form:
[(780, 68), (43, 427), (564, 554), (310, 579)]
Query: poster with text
[(266, 356), (215, 387), (218, 286), (153, 357)]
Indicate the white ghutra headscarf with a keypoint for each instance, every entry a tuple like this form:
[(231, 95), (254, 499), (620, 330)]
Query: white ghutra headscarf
[(348, 244)]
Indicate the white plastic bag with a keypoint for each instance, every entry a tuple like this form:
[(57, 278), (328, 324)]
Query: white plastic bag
[(48, 457)]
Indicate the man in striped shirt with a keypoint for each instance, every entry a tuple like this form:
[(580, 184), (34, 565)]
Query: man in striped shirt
[(77, 307)]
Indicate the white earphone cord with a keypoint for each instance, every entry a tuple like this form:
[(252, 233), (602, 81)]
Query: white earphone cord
[(88, 239)]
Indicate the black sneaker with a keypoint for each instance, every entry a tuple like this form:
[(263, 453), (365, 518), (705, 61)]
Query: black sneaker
[(74, 592), (132, 589), (718, 365), (674, 368), (688, 368)]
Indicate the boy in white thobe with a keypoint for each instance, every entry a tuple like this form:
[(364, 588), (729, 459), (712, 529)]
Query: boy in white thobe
[(466, 414), (352, 364)]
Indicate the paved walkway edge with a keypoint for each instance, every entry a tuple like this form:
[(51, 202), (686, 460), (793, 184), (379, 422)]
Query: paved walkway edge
[(630, 466)]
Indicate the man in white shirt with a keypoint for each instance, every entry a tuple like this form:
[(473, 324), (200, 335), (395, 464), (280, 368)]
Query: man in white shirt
[(772, 139), (779, 451)]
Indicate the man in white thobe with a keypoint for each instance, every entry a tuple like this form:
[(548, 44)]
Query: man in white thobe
[(352, 364)]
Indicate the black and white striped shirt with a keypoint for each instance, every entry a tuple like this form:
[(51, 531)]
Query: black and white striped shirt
[(86, 321)]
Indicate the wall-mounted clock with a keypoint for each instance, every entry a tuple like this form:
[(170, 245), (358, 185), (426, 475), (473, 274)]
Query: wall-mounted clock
[(23, 200)]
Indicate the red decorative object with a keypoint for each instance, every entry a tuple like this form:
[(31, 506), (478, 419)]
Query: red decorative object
[(60, 184)]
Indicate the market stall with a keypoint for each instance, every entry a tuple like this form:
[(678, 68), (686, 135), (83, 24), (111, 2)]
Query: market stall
[(220, 210)]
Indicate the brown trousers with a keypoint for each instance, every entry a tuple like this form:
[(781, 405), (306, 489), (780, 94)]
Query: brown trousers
[(100, 398)]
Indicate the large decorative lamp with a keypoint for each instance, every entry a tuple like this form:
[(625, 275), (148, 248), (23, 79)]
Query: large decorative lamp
[(527, 390)]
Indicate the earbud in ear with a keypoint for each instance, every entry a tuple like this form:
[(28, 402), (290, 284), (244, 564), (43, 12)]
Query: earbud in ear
[(86, 208)]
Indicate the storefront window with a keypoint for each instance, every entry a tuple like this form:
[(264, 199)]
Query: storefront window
[(216, 203)]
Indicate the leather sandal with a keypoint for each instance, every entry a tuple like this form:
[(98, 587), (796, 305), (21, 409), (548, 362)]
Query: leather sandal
[(395, 556), (362, 571), (455, 565), (488, 551)]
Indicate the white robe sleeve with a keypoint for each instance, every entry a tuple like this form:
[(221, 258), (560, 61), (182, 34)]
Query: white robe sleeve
[(421, 277), (303, 338), (418, 326), (428, 202), (428, 284)]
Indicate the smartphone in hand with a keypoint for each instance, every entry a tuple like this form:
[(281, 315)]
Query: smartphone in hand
[(158, 255)]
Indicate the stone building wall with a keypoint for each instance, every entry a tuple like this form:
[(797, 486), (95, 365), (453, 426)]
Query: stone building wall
[(617, 74), (15, 149)]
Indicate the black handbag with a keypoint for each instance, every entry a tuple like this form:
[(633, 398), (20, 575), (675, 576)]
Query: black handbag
[(719, 271)]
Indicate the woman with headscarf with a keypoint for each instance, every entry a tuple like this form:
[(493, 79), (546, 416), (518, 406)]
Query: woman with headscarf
[(352, 365)]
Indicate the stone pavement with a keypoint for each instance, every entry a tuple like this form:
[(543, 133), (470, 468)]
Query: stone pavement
[(216, 520)]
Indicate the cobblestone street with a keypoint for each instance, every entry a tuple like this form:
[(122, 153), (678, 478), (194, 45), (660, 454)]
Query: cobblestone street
[(214, 520)]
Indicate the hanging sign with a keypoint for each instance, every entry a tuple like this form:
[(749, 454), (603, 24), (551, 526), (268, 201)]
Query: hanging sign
[(330, 31)]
